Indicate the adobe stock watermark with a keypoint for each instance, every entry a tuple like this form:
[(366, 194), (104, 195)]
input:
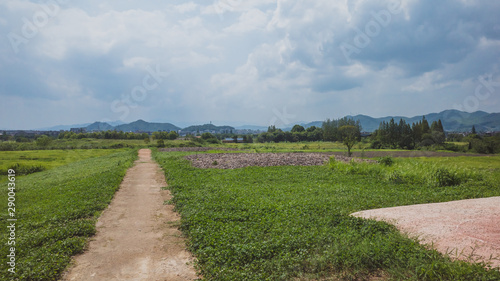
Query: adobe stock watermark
[(485, 88), (483, 91), (31, 27), (283, 116), (372, 29), (150, 82), (11, 221), (222, 6)]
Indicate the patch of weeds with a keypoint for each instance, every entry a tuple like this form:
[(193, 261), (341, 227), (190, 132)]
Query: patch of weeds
[(386, 161), (445, 177), (22, 169), (354, 167), (395, 177)]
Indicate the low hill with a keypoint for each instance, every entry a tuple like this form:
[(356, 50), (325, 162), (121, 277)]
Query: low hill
[(208, 128), (143, 126), (99, 126)]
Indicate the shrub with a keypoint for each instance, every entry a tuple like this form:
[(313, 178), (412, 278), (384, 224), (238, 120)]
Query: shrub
[(213, 141), (395, 177), (43, 141), (160, 143), (8, 146), (444, 177), (386, 161), (376, 145), (207, 136), (483, 146)]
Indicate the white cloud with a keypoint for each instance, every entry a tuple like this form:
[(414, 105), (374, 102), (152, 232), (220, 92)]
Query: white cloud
[(185, 8), (137, 62), (253, 19), (233, 56), (192, 59)]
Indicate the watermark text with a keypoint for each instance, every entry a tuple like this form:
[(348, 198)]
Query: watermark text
[(11, 221)]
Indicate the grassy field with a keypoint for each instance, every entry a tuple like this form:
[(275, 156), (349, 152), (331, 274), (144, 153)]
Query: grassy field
[(41, 160), (57, 208), (293, 223), (72, 144)]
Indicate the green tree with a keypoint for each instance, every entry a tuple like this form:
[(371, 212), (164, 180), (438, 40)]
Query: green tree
[(249, 139), (438, 137), (406, 137), (4, 136), (473, 130), (172, 135), (298, 129), (330, 130), (43, 141), (160, 143), (440, 126), (349, 135), (207, 136), (311, 129), (425, 126)]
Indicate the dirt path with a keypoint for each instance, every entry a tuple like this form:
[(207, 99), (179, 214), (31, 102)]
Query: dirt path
[(464, 228), (137, 237)]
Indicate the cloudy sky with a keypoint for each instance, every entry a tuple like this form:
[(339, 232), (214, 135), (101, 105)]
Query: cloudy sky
[(241, 62)]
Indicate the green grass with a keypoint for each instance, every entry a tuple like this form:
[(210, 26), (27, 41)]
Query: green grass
[(73, 144), (47, 159), (421, 171), (293, 223), (57, 210)]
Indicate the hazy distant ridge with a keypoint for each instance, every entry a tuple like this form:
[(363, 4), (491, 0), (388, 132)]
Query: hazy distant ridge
[(453, 120), (143, 126)]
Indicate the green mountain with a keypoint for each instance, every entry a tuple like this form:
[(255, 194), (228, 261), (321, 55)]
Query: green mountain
[(143, 126), (208, 128), (99, 126)]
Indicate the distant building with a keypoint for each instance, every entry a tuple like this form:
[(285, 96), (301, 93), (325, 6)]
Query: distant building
[(231, 140), (78, 130)]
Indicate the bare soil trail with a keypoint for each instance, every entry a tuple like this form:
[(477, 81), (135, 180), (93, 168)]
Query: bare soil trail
[(466, 228), (137, 237)]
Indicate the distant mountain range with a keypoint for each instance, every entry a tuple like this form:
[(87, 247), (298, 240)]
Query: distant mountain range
[(453, 121), (68, 127), (143, 126)]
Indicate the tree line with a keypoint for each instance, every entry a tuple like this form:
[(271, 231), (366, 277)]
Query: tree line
[(329, 131), (405, 136)]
